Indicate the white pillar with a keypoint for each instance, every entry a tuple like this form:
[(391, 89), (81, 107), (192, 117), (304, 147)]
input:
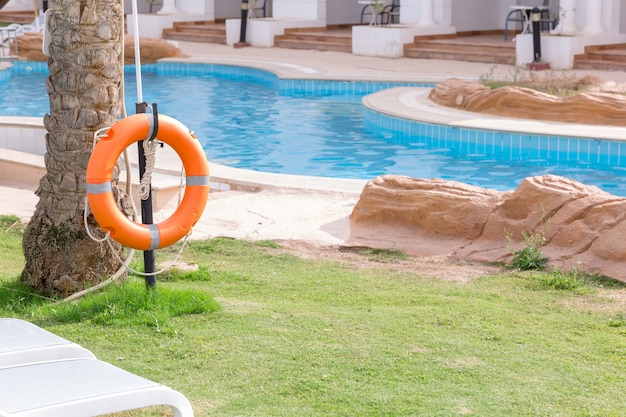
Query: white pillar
[(594, 17), (416, 12), (426, 13), (567, 18), (611, 16), (169, 6), (443, 12)]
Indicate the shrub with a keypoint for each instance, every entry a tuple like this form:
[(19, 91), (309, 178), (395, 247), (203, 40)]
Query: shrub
[(531, 255)]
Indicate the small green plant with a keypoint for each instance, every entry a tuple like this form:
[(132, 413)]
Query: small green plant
[(202, 273), (531, 255), (564, 280), (618, 320), (553, 83), (382, 255), (153, 3), (377, 5)]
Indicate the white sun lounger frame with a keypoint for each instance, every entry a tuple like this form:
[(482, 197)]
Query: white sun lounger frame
[(23, 342), (48, 376)]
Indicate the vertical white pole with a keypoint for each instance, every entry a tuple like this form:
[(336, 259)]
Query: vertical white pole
[(426, 13), (567, 17), (137, 53), (594, 17)]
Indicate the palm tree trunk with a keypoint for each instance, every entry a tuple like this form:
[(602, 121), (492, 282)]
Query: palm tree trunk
[(83, 86)]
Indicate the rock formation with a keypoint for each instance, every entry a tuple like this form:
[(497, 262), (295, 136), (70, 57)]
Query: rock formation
[(602, 108), (584, 226), (29, 48)]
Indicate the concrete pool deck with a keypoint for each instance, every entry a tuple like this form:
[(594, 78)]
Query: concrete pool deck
[(255, 205)]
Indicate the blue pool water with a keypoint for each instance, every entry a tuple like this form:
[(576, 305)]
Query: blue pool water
[(249, 119)]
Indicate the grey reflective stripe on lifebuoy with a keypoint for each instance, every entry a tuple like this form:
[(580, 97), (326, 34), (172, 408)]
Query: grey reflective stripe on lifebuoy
[(155, 237), (198, 180), (151, 132), (102, 188)]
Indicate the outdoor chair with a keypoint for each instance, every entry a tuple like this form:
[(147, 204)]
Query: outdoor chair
[(257, 8), (391, 13), (521, 13), (80, 388), (44, 375), (23, 342), (10, 33), (370, 13)]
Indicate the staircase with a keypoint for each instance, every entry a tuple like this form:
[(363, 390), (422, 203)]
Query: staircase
[(488, 48), (602, 57), (200, 31), (320, 39)]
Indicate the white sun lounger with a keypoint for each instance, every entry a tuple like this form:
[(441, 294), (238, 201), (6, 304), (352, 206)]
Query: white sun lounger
[(44, 375), (80, 388), (23, 342)]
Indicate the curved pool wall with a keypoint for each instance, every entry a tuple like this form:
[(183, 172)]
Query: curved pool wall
[(507, 146)]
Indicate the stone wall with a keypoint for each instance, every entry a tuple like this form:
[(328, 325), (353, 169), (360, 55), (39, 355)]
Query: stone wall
[(600, 107), (584, 226)]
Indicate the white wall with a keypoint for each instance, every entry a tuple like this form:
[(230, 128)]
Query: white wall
[(228, 9), (622, 19), (470, 15), (24, 134), (340, 12), (187, 6), (301, 9), (20, 5), (196, 6), (142, 7), (611, 19)]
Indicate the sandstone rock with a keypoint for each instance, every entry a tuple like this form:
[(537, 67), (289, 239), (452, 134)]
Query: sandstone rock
[(583, 226), (151, 50), (589, 108), (427, 216), (29, 48)]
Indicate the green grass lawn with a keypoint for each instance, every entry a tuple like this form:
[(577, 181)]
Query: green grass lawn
[(258, 332)]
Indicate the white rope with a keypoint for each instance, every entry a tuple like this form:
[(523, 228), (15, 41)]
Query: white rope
[(91, 235), (144, 186), (149, 146), (100, 133), (124, 263), (171, 263), (149, 150)]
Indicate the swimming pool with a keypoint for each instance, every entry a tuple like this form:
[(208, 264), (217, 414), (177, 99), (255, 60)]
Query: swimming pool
[(248, 118)]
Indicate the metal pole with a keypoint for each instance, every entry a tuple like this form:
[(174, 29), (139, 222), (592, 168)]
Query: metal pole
[(149, 260), (244, 22), (537, 64), (535, 17)]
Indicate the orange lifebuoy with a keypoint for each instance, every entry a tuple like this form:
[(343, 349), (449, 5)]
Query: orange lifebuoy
[(100, 171)]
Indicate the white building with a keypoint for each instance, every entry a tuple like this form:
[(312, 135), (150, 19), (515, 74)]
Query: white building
[(582, 22)]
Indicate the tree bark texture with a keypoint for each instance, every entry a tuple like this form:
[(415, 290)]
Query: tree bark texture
[(84, 91)]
